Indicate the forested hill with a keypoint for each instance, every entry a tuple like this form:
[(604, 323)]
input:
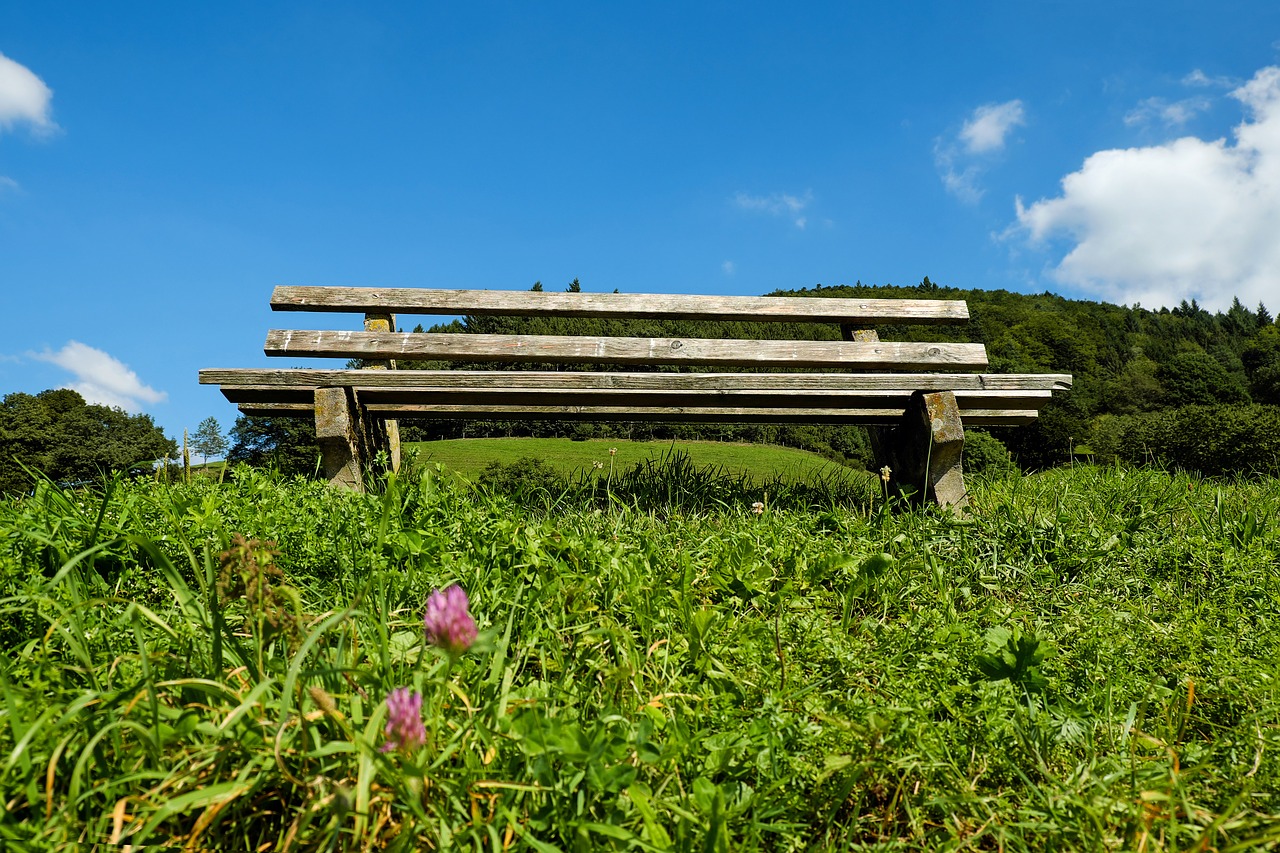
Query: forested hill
[(1129, 364)]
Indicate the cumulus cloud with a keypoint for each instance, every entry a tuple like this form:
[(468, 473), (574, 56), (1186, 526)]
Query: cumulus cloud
[(100, 378), (777, 204), (1188, 219), (24, 98), (962, 160), (989, 126)]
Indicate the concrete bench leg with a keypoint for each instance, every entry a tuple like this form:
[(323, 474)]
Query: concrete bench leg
[(349, 439), (924, 451), (338, 434)]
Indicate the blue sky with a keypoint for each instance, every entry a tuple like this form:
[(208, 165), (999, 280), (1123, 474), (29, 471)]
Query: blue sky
[(162, 166)]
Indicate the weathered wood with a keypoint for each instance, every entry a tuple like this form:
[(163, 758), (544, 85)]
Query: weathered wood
[(309, 379), (658, 306), (572, 349), (708, 414), (381, 396)]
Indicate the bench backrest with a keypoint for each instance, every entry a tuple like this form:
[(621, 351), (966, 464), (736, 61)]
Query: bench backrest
[(380, 342)]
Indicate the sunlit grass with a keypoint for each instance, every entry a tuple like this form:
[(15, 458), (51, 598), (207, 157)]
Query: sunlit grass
[(1086, 662), (469, 456)]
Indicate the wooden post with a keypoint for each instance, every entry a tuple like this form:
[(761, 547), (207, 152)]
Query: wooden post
[(388, 437), (337, 434), (877, 436), (924, 451)]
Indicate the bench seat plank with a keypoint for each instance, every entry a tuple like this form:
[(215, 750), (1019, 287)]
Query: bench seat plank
[(581, 349), (384, 396), (310, 378), (703, 414), (656, 306)]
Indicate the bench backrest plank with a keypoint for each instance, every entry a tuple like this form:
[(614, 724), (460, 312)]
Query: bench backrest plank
[(584, 349), (654, 306)]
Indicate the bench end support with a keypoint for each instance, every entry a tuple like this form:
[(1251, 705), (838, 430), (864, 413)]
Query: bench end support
[(338, 434), (924, 451)]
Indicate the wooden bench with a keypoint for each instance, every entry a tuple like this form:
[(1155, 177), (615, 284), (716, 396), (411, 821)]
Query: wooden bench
[(921, 394)]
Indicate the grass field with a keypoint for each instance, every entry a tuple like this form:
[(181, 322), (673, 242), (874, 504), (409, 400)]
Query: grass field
[(1089, 661), (469, 456)]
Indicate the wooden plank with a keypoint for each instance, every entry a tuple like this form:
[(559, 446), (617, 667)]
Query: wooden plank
[(656, 306), (575, 349), (824, 397), (308, 379), (717, 414)]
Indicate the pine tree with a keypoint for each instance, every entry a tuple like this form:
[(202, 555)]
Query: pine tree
[(208, 439)]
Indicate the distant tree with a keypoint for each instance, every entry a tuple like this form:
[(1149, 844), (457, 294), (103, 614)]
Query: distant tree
[(537, 287), (288, 444), (208, 439), (58, 433), (1262, 365), (574, 287), (1197, 378)]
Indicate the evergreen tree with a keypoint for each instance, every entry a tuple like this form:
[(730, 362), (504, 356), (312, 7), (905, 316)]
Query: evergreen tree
[(208, 439)]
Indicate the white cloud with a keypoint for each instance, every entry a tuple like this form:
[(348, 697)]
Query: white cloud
[(990, 124), (729, 267), (24, 98), (1199, 78), (963, 185), (962, 161), (101, 378), (9, 185), (1168, 113), (1189, 219), (777, 204)]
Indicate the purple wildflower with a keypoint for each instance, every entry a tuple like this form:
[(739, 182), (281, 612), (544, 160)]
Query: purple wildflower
[(447, 621), (404, 721)]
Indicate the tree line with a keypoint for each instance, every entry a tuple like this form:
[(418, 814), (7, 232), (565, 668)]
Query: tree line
[(58, 434)]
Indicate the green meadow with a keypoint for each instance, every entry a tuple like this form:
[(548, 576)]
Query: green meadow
[(1088, 660), (470, 456)]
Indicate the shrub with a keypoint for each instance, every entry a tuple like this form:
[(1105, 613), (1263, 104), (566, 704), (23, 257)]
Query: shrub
[(526, 477), (1206, 439), (986, 454)]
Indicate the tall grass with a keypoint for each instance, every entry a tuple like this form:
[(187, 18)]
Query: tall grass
[(1086, 662)]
